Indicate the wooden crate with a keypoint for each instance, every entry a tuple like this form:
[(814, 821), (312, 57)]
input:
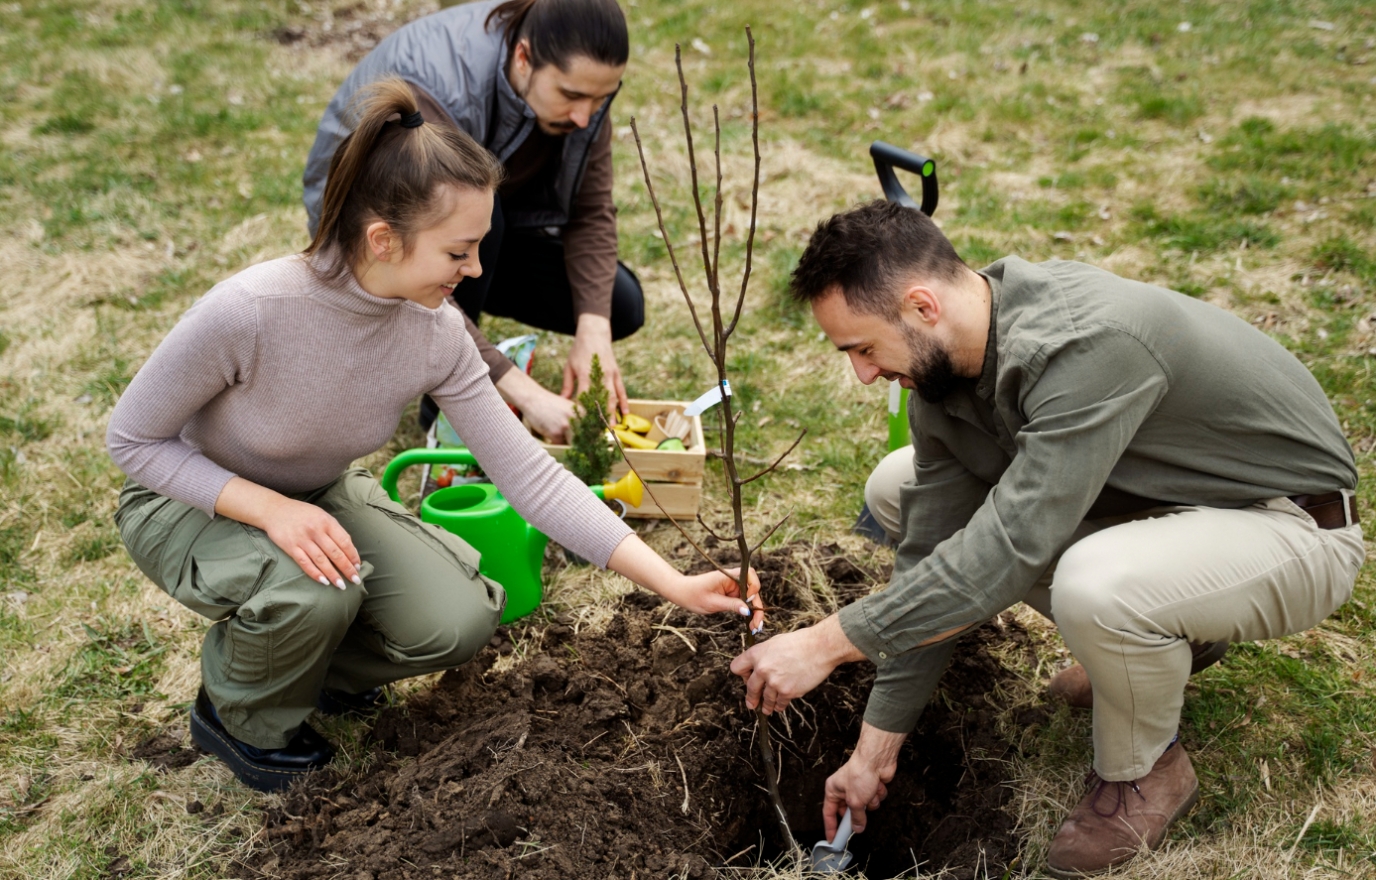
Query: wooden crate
[(673, 478)]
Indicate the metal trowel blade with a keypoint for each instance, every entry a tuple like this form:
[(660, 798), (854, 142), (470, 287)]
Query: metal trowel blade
[(831, 857)]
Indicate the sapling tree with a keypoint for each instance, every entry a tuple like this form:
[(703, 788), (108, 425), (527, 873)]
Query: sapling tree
[(590, 456), (715, 333)]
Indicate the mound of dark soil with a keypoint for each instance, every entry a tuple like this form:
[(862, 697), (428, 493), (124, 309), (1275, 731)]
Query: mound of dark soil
[(629, 753)]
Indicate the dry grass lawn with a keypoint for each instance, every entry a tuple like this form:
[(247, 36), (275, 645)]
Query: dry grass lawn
[(149, 149)]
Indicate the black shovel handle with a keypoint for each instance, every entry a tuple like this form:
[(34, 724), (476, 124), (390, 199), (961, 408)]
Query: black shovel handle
[(887, 157)]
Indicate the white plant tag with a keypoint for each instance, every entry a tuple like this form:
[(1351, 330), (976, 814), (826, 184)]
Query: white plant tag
[(708, 400)]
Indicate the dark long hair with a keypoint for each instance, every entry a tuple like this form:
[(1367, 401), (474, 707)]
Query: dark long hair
[(560, 30), (386, 171)]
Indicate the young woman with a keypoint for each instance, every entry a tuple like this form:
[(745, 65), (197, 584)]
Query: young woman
[(238, 433)]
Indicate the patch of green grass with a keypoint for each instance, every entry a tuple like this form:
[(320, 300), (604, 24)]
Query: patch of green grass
[(1064, 180), (1332, 152), (795, 96), (110, 382), (14, 540), (1203, 232), (1249, 195), (1154, 100), (1189, 288), (120, 660), (1356, 837), (25, 426), (66, 124), (89, 548), (1342, 254), (978, 252)]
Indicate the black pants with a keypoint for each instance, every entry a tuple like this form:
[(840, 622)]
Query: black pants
[(524, 279)]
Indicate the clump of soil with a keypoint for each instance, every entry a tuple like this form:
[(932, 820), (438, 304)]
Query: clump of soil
[(629, 753), (167, 750)]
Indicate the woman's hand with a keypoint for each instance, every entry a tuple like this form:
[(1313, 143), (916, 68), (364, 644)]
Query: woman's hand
[(310, 536), (712, 592), (316, 541), (708, 593)]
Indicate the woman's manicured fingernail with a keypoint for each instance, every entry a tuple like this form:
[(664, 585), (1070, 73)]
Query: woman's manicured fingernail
[(745, 612), (339, 582), (356, 579), (324, 580)]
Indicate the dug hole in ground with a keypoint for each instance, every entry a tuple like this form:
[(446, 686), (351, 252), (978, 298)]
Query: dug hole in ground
[(627, 752)]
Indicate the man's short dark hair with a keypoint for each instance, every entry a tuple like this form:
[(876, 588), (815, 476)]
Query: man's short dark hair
[(868, 251)]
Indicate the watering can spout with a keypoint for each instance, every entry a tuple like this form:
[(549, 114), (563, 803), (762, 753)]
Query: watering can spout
[(629, 490)]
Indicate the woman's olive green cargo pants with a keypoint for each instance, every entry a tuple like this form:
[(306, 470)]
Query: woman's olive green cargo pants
[(280, 637)]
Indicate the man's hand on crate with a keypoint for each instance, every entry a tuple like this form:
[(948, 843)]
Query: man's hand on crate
[(594, 337), (546, 412)]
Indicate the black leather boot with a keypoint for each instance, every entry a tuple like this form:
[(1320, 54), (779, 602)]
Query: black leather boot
[(258, 768), (344, 703)]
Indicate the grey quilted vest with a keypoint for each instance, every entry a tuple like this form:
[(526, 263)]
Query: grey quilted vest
[(453, 57)]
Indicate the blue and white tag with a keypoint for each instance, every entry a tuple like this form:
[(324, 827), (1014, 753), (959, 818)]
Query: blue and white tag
[(708, 400)]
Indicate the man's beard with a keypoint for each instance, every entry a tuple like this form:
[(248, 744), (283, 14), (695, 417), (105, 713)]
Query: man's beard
[(554, 129), (929, 366)]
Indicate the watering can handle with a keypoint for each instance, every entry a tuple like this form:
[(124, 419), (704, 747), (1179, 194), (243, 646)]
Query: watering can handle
[(421, 456), (887, 157)]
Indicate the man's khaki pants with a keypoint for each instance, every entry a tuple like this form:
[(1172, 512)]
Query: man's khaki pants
[(1129, 594), (280, 637)]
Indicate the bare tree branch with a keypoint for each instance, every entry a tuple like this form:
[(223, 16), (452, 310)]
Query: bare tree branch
[(770, 534), (681, 530), (716, 228), (693, 169), (777, 461), (717, 350), (754, 188), (702, 522), (664, 233)]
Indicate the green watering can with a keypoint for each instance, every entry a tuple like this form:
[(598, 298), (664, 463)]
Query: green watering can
[(899, 436), (513, 551)]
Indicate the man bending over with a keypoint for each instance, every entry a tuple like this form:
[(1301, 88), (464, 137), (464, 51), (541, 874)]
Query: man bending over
[(1150, 472)]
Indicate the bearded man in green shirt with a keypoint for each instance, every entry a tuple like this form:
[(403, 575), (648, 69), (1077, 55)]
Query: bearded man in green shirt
[(1150, 472)]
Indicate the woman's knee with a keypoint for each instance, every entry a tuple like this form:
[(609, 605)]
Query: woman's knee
[(448, 638), (291, 599)]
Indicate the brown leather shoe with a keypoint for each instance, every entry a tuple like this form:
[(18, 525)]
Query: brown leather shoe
[(1115, 820), (1071, 685)]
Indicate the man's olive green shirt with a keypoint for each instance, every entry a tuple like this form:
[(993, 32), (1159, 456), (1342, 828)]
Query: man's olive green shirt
[(1099, 396)]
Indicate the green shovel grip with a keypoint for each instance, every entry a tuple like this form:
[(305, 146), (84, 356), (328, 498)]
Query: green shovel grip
[(406, 459)]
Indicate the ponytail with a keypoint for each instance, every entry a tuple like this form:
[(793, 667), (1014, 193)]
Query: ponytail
[(392, 167), (558, 31)]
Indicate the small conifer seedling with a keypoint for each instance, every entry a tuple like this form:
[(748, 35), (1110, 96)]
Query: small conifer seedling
[(590, 455)]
